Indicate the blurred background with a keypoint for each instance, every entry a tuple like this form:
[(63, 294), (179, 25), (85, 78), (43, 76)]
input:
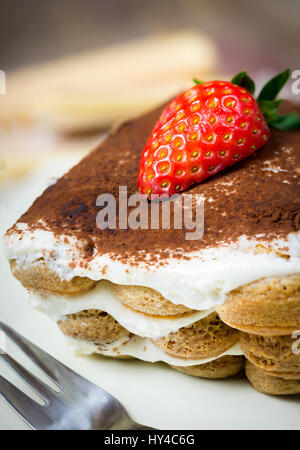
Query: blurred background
[(33, 30), (75, 67)]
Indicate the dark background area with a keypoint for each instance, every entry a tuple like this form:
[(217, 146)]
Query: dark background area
[(248, 33)]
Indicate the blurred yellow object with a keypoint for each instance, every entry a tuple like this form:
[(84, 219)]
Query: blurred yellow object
[(18, 161), (17, 167), (92, 90), (2, 166)]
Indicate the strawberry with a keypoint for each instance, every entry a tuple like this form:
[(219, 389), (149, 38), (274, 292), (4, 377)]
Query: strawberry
[(208, 128)]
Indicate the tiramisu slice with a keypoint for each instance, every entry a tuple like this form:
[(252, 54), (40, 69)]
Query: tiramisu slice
[(154, 295)]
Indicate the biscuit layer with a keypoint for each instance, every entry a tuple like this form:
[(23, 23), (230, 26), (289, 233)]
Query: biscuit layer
[(206, 338), (269, 307), (93, 326), (39, 277), (268, 384), (273, 354), (224, 367), (147, 300)]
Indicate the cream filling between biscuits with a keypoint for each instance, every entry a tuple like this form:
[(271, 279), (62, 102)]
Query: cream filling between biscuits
[(199, 282), (103, 298), (143, 349)]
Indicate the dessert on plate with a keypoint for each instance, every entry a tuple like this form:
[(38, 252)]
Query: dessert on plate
[(203, 306)]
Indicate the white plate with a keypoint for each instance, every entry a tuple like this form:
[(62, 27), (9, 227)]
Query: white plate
[(152, 393)]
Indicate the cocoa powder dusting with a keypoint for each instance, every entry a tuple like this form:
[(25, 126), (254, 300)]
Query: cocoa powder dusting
[(260, 195)]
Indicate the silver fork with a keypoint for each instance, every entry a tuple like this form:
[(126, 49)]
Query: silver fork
[(78, 404)]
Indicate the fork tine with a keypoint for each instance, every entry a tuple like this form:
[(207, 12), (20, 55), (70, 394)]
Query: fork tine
[(56, 371), (29, 410), (42, 359), (46, 392), (79, 405)]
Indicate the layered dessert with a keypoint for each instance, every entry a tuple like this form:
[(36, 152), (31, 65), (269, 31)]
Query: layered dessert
[(207, 307)]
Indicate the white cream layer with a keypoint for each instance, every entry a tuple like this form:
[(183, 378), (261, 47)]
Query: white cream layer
[(199, 283), (103, 298), (143, 349)]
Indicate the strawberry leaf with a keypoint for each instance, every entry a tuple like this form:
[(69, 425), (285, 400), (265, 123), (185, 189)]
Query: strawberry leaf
[(242, 79), (285, 122), (196, 81), (281, 122), (273, 87), (270, 109)]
